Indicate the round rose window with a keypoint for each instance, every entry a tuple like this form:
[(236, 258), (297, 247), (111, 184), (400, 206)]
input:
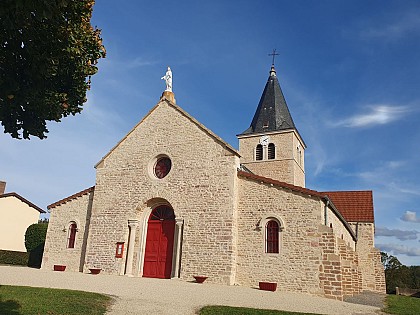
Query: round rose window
[(162, 167)]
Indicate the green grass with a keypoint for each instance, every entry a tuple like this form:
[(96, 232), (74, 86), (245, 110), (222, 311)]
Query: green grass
[(228, 310), (16, 300), (402, 305)]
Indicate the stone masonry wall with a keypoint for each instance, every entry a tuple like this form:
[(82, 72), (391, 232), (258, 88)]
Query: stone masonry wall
[(285, 167), (340, 231), (331, 275), (296, 267), (56, 251), (200, 188), (339, 273), (373, 275), (351, 276)]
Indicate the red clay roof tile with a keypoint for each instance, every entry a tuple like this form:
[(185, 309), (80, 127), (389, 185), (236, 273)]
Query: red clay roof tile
[(355, 206)]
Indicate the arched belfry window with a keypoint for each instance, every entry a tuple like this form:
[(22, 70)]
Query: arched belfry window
[(259, 152), (271, 151), (72, 235), (272, 233)]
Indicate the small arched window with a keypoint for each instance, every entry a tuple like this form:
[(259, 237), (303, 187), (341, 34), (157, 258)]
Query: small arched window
[(72, 235), (259, 152), (272, 230), (271, 151)]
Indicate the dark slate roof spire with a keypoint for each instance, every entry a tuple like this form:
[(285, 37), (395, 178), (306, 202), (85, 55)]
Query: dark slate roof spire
[(272, 113)]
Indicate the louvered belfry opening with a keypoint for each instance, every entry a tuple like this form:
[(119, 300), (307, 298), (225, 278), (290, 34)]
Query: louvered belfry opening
[(271, 151), (259, 152)]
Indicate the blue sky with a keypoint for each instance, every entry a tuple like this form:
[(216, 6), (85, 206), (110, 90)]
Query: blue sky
[(349, 70)]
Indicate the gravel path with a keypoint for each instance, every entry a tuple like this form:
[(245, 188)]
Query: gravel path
[(156, 296)]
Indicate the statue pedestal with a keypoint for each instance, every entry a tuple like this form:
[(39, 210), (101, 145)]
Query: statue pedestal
[(169, 95)]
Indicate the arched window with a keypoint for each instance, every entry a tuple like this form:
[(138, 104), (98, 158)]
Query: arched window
[(72, 235), (272, 230), (271, 151), (259, 152)]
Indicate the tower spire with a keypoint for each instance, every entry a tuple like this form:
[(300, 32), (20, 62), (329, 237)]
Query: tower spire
[(272, 112)]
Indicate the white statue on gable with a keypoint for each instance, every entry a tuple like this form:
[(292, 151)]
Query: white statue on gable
[(168, 79)]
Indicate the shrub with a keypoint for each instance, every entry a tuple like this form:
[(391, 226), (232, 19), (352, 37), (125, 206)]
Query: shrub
[(9, 257), (34, 243)]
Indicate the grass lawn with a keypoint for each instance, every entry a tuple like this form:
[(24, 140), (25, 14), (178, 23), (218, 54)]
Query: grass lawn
[(402, 305), (16, 300), (228, 310)]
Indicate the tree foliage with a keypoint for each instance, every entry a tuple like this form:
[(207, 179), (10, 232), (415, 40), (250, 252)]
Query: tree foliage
[(34, 242), (399, 275), (35, 235), (390, 262), (48, 53)]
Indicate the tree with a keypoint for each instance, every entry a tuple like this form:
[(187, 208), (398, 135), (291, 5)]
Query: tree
[(399, 275), (390, 262), (48, 53)]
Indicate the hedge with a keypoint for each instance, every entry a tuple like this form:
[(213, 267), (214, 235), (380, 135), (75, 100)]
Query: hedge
[(9, 257)]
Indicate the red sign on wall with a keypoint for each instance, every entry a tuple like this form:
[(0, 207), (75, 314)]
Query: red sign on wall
[(120, 249)]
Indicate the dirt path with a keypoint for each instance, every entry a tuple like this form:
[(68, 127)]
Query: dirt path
[(156, 296)]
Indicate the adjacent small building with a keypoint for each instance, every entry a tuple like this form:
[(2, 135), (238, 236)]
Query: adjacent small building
[(174, 200), (16, 215)]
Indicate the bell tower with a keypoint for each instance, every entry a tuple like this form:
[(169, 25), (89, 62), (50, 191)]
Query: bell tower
[(272, 146)]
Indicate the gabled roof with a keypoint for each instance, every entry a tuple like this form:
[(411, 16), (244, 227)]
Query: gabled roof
[(185, 114), (355, 206), (69, 198), (272, 113), (30, 204)]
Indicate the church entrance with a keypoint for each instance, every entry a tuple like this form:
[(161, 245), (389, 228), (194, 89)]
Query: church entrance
[(159, 243)]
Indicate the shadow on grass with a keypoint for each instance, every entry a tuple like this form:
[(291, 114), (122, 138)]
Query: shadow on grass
[(9, 307)]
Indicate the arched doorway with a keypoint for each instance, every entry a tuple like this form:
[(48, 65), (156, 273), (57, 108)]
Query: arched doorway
[(159, 243)]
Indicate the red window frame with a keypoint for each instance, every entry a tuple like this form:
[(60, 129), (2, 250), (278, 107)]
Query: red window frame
[(272, 230), (72, 235)]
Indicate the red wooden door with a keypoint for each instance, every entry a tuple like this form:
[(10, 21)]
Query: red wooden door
[(159, 243)]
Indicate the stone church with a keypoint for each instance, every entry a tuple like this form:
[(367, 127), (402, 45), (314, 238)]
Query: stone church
[(174, 200)]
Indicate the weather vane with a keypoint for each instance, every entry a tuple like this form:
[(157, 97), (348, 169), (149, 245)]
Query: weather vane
[(274, 54)]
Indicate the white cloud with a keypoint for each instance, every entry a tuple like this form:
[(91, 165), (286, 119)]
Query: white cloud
[(378, 115), (410, 216), (140, 62), (409, 22), (400, 234), (397, 249)]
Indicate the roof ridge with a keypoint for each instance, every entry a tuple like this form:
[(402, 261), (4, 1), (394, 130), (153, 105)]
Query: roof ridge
[(184, 113), (13, 194), (268, 180), (74, 196), (340, 191)]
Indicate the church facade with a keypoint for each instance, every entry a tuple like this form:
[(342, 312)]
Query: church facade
[(173, 200)]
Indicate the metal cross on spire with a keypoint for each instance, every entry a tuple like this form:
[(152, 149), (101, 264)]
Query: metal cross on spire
[(274, 54)]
